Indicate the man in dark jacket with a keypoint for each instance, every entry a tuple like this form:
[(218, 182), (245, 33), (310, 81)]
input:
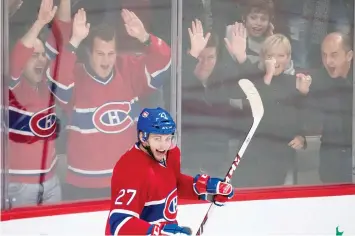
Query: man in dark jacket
[(329, 93)]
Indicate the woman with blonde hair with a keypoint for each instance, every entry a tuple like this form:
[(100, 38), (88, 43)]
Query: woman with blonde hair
[(275, 57), (270, 155)]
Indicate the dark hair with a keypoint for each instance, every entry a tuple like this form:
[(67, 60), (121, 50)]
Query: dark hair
[(213, 42), (262, 6), (346, 40), (103, 31)]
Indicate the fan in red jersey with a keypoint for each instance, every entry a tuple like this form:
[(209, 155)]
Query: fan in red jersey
[(33, 124), (100, 95), (147, 182)]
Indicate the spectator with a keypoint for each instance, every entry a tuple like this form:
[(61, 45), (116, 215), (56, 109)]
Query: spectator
[(237, 44), (102, 94), (309, 21), (330, 93), (207, 115), (108, 11), (270, 155), (33, 124), (256, 26)]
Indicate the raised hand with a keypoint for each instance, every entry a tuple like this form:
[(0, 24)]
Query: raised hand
[(45, 15), (134, 26), (46, 12), (198, 40), (81, 28), (237, 43)]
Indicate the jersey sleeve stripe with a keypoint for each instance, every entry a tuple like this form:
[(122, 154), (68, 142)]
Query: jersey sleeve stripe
[(58, 98), (21, 133), (22, 112), (59, 85), (90, 172), (155, 202), (157, 78), (34, 172), (119, 226), (118, 218), (166, 67), (19, 120), (62, 95), (127, 212), (51, 52)]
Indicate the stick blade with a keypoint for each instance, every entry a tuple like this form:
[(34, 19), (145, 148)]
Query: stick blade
[(253, 96)]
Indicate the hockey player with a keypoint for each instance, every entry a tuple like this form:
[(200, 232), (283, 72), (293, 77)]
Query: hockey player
[(147, 182)]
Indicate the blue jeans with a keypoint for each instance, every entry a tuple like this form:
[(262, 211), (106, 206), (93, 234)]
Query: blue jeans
[(24, 194)]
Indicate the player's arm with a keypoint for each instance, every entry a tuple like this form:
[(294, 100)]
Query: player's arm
[(200, 186), (148, 71)]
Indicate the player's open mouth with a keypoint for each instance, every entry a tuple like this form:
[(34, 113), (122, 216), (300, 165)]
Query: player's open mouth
[(161, 152)]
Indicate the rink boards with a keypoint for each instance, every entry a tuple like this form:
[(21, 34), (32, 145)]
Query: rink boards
[(300, 211)]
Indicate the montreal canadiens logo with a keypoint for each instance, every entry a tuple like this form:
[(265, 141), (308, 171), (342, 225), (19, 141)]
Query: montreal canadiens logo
[(43, 123), (170, 207), (112, 117)]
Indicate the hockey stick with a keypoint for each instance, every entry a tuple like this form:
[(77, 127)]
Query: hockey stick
[(257, 109)]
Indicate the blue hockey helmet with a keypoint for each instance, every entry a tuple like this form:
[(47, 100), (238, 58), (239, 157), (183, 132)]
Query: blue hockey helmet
[(155, 121)]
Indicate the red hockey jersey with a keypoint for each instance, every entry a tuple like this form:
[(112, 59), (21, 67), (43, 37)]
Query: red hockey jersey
[(145, 192), (32, 124), (103, 112)]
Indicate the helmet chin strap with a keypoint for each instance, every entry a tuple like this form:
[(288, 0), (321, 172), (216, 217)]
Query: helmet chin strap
[(149, 150)]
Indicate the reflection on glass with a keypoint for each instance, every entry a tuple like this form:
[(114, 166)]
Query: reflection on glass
[(82, 70)]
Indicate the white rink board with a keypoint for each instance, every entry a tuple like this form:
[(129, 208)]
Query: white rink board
[(298, 216)]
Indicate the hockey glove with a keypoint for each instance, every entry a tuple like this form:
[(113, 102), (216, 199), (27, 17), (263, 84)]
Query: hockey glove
[(168, 229), (204, 185)]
